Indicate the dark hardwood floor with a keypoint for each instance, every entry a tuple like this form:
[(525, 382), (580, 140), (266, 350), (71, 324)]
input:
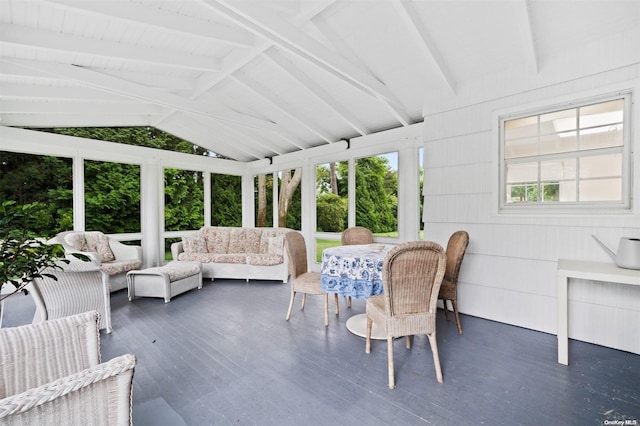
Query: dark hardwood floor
[(225, 355)]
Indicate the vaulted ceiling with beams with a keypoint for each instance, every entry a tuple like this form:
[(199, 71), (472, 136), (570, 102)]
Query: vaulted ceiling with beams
[(255, 79)]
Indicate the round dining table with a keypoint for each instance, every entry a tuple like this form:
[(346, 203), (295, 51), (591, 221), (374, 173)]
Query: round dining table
[(355, 271)]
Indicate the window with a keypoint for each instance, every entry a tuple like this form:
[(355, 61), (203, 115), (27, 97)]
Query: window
[(263, 196), (226, 200), (183, 199), (573, 156), (290, 199), (112, 197), (377, 194), (42, 179)]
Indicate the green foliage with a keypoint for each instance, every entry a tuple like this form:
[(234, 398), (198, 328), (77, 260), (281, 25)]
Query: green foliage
[(331, 213), (46, 180), (112, 197), (226, 200), (183, 200), (376, 195), (23, 256)]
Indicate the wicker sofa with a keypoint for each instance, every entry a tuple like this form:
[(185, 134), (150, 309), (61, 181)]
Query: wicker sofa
[(113, 258), (237, 253)]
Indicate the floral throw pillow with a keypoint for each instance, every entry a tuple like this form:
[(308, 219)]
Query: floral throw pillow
[(193, 244), (276, 245), (99, 243)]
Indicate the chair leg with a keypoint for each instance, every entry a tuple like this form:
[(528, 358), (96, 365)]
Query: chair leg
[(446, 310), (337, 305), (392, 381), (407, 342), (367, 345), (304, 300), (436, 358), (293, 295), (326, 309), (455, 312), (349, 302)]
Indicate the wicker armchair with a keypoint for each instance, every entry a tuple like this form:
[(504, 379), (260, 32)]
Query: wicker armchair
[(303, 281), (79, 287), (456, 248), (411, 275), (51, 375), (356, 235)]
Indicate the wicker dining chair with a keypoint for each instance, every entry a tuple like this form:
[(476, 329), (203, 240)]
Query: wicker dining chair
[(51, 374), (412, 273), (356, 235), (302, 280), (456, 247), (353, 236), (79, 287)]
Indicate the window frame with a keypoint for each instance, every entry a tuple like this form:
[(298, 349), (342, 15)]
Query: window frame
[(622, 206)]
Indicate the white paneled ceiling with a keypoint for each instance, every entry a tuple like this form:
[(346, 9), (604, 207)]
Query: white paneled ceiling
[(254, 79)]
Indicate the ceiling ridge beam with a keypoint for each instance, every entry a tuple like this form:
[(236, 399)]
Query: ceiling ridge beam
[(410, 15), (32, 37), (112, 84), (329, 101), (288, 37), (157, 18)]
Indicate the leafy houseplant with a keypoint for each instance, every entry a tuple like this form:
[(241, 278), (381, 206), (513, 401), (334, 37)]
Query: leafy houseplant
[(23, 256)]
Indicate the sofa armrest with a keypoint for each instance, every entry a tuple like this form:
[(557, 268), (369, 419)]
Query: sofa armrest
[(176, 249), (109, 383), (124, 251), (93, 256)]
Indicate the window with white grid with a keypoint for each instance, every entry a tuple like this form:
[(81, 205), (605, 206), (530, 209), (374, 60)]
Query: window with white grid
[(570, 156)]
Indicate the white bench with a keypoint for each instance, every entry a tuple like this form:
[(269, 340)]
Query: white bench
[(165, 281)]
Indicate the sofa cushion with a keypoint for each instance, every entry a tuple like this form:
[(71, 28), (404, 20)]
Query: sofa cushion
[(244, 240), (118, 266), (194, 244), (264, 259), (214, 257), (99, 243), (217, 239), (76, 240)]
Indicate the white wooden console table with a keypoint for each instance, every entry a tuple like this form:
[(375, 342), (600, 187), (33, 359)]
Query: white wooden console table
[(596, 271)]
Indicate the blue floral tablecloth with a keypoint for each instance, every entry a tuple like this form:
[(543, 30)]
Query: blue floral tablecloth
[(354, 270)]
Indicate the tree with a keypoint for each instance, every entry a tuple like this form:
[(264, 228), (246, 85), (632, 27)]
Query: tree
[(376, 195), (288, 187)]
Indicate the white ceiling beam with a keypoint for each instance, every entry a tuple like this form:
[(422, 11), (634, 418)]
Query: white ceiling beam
[(147, 16), (523, 18), (54, 120), (64, 93), (238, 59), (192, 133), (32, 37), (322, 95), (111, 84), (77, 108), (409, 14), (276, 102), (271, 27)]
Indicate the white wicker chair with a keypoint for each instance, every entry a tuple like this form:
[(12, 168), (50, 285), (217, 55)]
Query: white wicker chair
[(80, 287), (51, 374)]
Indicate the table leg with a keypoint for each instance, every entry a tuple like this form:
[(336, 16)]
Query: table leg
[(357, 324), (563, 321)]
